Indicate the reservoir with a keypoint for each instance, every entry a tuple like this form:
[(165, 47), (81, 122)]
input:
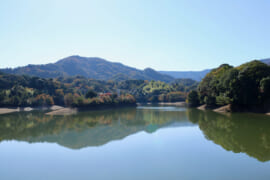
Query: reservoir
[(147, 142)]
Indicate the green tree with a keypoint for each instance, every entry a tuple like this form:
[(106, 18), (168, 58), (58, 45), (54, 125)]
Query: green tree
[(91, 94), (265, 85), (193, 98), (69, 99)]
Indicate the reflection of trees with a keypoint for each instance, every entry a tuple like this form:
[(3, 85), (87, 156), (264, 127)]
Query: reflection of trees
[(248, 133), (85, 128)]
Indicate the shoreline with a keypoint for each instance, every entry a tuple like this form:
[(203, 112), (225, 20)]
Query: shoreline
[(61, 110), (7, 110), (225, 108), (229, 109), (180, 103)]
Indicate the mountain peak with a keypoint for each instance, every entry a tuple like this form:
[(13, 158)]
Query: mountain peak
[(90, 67), (77, 58), (149, 69)]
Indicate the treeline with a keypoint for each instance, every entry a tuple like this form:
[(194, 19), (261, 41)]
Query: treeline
[(78, 91), (244, 87), (25, 91), (157, 91)]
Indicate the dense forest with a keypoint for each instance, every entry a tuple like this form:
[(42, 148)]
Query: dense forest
[(246, 87), (78, 91), (16, 90)]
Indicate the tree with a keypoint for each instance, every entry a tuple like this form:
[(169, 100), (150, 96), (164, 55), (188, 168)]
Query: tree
[(265, 85), (211, 86), (249, 78), (91, 94), (193, 98), (265, 91), (59, 97), (69, 99)]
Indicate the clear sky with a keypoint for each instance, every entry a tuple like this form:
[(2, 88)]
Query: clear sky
[(162, 34)]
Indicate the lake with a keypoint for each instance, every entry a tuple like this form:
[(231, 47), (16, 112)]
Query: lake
[(147, 142)]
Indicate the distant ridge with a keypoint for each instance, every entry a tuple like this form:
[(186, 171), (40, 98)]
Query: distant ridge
[(90, 67), (266, 61), (101, 69), (195, 75)]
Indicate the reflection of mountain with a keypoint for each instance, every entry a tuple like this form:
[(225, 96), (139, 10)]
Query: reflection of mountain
[(248, 133), (86, 128)]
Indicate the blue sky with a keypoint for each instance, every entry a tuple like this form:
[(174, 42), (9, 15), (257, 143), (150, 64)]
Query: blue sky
[(162, 34)]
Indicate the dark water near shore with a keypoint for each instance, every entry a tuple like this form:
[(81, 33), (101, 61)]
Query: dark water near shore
[(150, 142)]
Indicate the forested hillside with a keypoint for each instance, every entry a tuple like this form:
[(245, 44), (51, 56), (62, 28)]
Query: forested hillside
[(94, 68), (22, 91), (79, 91), (244, 87)]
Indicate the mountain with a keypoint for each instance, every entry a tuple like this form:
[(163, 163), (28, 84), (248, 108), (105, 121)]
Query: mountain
[(92, 67), (266, 61), (101, 69), (195, 75)]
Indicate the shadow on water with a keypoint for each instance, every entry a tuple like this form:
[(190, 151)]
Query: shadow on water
[(237, 132), (87, 128)]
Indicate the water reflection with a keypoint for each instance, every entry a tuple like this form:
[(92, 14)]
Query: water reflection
[(247, 133), (87, 128)]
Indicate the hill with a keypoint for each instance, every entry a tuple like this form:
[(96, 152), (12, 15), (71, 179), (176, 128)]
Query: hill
[(101, 69), (195, 75), (92, 67), (245, 87), (79, 91)]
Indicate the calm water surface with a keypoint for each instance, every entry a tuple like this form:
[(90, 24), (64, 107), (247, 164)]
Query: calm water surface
[(151, 142)]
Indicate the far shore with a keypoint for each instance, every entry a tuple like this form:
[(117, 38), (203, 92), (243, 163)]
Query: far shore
[(6, 110), (180, 103), (59, 110)]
